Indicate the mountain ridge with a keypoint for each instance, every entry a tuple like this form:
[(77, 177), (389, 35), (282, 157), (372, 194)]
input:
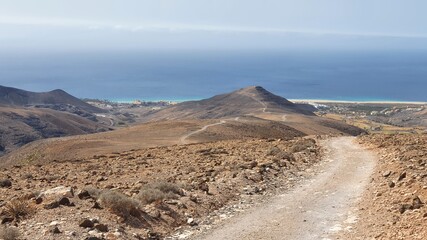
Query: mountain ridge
[(18, 97), (245, 101)]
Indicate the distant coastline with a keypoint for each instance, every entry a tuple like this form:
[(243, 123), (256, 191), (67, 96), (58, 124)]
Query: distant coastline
[(171, 100), (358, 101)]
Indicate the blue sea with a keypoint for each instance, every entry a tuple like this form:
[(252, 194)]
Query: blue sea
[(184, 75)]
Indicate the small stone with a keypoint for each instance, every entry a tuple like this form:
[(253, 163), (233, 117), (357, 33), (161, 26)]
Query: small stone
[(7, 220), (52, 205), (94, 220), (405, 207), (153, 236), (83, 194), (93, 238), (60, 191), (101, 227), (386, 174), (38, 200), (416, 203), (64, 201), (101, 179), (96, 206), (191, 222), (86, 223), (391, 184), (401, 176), (55, 230), (54, 223)]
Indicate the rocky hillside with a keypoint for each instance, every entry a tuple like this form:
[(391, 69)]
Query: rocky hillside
[(258, 102), (19, 126), (245, 101), (162, 133), (149, 193), (395, 205)]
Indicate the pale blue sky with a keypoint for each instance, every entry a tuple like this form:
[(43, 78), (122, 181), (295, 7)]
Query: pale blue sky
[(202, 24)]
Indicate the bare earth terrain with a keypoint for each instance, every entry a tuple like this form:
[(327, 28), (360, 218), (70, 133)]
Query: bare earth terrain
[(393, 206), (243, 165), (316, 209), (147, 193)]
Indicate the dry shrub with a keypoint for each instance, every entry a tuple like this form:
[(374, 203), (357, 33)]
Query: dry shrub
[(119, 204), (5, 183), (273, 151), (302, 145), (159, 191), (93, 192), (19, 209), (9, 233)]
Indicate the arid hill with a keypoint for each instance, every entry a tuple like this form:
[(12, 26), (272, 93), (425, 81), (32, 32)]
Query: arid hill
[(245, 101), (29, 116), (17, 97), (249, 113), (162, 133), (258, 102), (19, 126)]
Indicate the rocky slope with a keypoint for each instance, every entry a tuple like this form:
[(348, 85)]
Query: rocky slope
[(162, 133), (19, 126), (258, 102), (148, 193), (394, 205), (245, 101)]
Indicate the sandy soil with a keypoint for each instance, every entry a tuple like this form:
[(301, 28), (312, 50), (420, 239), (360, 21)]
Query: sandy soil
[(317, 209)]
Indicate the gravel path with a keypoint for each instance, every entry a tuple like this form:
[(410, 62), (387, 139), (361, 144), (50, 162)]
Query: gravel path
[(316, 209), (183, 139)]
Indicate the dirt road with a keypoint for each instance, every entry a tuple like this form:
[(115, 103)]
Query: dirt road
[(183, 139), (317, 208)]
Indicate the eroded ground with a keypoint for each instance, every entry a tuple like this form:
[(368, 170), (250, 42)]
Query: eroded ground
[(146, 193)]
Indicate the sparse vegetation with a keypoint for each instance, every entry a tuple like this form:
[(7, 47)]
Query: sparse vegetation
[(52, 178), (158, 191), (9, 233), (273, 151), (93, 192), (119, 204), (5, 183), (19, 209), (302, 145), (28, 176)]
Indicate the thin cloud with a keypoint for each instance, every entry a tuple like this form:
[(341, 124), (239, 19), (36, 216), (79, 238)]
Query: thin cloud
[(97, 26)]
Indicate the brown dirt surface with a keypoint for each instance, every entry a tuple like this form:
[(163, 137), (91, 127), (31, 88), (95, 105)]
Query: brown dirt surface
[(394, 207), (204, 178), (163, 133), (317, 208)]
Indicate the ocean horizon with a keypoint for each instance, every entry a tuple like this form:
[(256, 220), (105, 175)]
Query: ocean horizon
[(396, 76)]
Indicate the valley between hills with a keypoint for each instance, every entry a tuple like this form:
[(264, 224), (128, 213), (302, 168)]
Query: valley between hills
[(242, 165)]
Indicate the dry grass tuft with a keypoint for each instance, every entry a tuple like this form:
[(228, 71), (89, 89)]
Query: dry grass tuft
[(93, 192), (5, 183), (159, 191), (302, 145), (19, 209), (120, 204)]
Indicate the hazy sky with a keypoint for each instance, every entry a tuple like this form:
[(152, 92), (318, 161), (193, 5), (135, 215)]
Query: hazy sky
[(199, 24)]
